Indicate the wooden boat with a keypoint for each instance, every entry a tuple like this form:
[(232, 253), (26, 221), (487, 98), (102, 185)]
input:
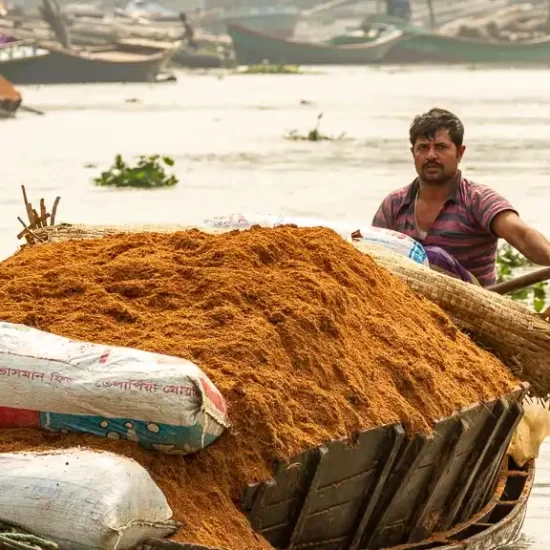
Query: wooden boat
[(498, 525), (252, 47), (425, 47), (10, 99), (27, 62), (389, 492), (421, 45)]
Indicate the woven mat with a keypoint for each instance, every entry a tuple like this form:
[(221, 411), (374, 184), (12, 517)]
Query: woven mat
[(520, 338), (77, 232)]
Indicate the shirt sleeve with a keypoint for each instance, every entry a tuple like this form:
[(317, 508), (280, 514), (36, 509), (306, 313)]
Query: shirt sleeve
[(384, 217), (487, 204)]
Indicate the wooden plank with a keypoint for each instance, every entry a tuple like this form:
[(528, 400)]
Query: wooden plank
[(501, 408), (399, 483), (418, 530), (260, 502), (372, 499), (491, 467), (306, 506)]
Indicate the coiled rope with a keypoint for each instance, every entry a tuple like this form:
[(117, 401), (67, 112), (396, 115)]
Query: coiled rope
[(13, 537)]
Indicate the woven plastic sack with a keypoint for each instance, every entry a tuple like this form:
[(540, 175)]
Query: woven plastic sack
[(50, 382), (83, 500), (398, 242)]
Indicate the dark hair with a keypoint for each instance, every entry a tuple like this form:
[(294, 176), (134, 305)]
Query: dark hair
[(426, 125)]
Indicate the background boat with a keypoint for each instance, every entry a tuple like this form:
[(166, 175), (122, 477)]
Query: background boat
[(252, 47), (50, 63), (511, 35), (10, 99), (436, 48)]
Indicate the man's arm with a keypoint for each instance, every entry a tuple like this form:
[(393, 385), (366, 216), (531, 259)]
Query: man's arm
[(532, 244), (383, 217)]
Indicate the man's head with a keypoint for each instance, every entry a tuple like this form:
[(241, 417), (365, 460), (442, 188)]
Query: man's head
[(436, 144)]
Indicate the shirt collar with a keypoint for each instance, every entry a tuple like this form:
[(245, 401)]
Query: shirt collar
[(412, 191)]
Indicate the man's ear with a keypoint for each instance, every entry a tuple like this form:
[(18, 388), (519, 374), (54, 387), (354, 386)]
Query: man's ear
[(461, 151)]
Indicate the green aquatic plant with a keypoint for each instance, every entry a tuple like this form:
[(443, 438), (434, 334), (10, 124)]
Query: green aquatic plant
[(149, 172), (509, 261), (313, 135), (268, 68)]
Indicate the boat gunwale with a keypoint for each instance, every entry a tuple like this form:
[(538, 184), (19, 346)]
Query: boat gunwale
[(393, 36), (51, 47), (99, 56), (476, 41), (520, 505)]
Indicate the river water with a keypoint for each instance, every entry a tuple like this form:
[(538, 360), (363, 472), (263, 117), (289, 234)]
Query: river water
[(226, 133)]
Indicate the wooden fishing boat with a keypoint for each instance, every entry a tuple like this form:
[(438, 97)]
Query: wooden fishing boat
[(26, 62), (498, 525), (425, 47), (10, 99), (462, 482), (253, 47)]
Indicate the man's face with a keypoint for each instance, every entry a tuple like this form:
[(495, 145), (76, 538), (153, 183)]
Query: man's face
[(436, 160)]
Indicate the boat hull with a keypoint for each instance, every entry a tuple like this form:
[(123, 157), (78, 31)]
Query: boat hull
[(433, 48), (60, 67), (6, 113), (253, 47), (416, 491)]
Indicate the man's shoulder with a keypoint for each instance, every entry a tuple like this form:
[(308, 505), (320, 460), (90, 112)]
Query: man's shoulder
[(474, 190), (399, 194)]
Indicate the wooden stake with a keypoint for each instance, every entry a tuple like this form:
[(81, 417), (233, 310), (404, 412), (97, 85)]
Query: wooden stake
[(35, 220), (43, 213), (29, 231), (54, 210), (27, 204)]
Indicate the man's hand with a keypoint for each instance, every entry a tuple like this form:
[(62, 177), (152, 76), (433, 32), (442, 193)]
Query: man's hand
[(532, 244)]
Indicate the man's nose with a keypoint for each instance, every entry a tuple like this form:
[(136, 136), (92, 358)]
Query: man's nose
[(431, 153)]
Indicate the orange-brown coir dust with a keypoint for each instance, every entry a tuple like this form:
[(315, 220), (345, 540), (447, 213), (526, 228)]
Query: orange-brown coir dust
[(307, 338)]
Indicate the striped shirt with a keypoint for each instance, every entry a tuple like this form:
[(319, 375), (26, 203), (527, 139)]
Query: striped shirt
[(462, 228)]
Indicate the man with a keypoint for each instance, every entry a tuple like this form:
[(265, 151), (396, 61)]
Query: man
[(458, 222), (189, 33)]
